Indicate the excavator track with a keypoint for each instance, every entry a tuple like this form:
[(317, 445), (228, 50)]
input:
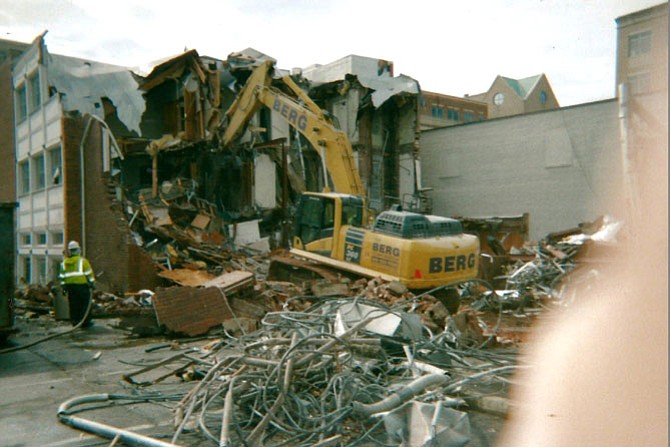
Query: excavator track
[(292, 269)]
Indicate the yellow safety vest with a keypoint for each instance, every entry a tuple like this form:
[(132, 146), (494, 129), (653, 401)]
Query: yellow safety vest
[(76, 270)]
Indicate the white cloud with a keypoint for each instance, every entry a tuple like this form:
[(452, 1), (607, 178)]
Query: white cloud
[(449, 47)]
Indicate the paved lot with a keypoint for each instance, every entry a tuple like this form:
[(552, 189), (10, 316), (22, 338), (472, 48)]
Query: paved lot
[(35, 381)]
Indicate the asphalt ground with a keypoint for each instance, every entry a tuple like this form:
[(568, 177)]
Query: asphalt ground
[(35, 381)]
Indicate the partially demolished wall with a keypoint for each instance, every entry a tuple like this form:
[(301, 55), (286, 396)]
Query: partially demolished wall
[(94, 216)]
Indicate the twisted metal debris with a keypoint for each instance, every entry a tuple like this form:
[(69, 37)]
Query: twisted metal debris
[(342, 372)]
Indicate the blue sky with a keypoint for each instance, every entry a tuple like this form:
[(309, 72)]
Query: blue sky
[(450, 47)]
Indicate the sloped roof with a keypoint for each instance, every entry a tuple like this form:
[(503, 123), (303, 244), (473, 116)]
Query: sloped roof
[(523, 87)]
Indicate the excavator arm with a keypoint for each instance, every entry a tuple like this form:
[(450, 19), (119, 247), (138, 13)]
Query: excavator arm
[(303, 115)]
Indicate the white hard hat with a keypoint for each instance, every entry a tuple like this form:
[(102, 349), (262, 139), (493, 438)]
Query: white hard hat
[(73, 245)]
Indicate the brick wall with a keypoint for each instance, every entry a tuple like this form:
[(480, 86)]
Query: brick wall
[(7, 173), (72, 129), (190, 310), (118, 263)]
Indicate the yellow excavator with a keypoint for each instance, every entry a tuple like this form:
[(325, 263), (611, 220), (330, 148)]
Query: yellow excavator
[(333, 228)]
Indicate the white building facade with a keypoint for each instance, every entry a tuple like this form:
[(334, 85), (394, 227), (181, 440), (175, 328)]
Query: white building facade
[(39, 179)]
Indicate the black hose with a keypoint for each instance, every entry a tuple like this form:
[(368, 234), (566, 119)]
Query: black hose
[(51, 337)]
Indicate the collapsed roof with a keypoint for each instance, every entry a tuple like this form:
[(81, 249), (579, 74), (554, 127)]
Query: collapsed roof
[(81, 85)]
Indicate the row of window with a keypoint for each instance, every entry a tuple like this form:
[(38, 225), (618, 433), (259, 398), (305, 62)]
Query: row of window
[(40, 171), (38, 269), (28, 96), (453, 114), (40, 238)]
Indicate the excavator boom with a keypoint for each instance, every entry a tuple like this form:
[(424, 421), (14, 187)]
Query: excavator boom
[(329, 227), (306, 117)]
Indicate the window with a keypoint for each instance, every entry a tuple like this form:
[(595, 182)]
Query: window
[(26, 273), (21, 104), (38, 172), (41, 238), (25, 239), (24, 177), (35, 94), (543, 97), (468, 116), (452, 114), (315, 218), (639, 43), (41, 269), (498, 99), (440, 113), (57, 238), (55, 167)]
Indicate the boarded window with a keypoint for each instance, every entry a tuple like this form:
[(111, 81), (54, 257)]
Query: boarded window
[(557, 149), (639, 43), (639, 83)]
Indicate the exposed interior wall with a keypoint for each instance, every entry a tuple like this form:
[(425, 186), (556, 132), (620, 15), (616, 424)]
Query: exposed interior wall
[(265, 182), (408, 147), (562, 167)]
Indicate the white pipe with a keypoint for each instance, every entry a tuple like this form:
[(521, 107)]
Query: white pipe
[(82, 186), (225, 439), (103, 430), (403, 395)]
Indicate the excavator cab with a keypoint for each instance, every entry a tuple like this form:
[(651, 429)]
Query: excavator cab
[(319, 218)]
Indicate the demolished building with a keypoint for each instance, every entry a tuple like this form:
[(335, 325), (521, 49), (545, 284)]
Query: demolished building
[(133, 166)]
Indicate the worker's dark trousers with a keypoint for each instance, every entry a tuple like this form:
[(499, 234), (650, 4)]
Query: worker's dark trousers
[(79, 295)]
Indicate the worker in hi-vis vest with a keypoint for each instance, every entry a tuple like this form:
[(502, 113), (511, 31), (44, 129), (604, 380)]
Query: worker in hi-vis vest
[(77, 279)]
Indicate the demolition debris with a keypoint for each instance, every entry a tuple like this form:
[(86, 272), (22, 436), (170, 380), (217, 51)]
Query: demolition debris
[(334, 362)]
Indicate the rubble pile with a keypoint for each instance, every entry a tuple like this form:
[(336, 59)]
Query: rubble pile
[(182, 231), (534, 274), (35, 297), (344, 371), (107, 304), (333, 362)]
